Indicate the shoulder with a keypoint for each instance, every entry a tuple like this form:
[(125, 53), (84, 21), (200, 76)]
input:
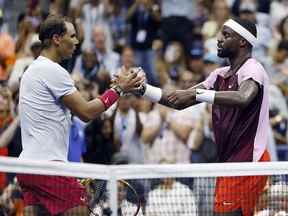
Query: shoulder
[(252, 66), (219, 71), (253, 69), (53, 69)]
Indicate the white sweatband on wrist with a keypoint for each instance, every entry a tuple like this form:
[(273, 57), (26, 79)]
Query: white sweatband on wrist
[(204, 95), (152, 93)]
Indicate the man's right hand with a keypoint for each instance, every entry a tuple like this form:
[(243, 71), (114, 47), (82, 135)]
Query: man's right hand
[(129, 79)]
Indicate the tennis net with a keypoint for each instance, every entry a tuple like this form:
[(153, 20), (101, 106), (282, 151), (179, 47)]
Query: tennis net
[(150, 190)]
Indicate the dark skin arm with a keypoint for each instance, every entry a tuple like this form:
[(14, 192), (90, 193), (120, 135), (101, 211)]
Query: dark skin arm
[(181, 99)]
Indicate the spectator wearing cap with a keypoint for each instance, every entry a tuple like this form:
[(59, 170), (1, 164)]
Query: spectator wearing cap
[(195, 59)]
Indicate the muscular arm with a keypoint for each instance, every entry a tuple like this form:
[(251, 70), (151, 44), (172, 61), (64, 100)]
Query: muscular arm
[(85, 110), (247, 92), (181, 99), (186, 97)]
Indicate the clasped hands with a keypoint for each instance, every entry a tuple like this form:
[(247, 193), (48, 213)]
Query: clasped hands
[(133, 80)]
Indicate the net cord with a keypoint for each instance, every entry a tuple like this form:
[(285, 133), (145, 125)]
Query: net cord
[(81, 170)]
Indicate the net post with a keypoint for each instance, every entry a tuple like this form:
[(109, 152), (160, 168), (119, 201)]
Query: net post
[(113, 193)]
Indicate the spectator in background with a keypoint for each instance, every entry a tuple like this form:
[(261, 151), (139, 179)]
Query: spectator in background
[(173, 131), (150, 119), (171, 198), (128, 57), (6, 117), (274, 200), (108, 59), (174, 58), (127, 130), (99, 141), (220, 12), (144, 17), (203, 150), (160, 66), (248, 11), (22, 64), (118, 25), (11, 202), (196, 62), (176, 21), (26, 32), (77, 145), (94, 14), (279, 67), (278, 10), (87, 65), (7, 50)]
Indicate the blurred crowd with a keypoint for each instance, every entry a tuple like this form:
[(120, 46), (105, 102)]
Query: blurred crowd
[(174, 41)]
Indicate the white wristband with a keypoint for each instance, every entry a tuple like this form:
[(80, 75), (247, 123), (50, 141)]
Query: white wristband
[(203, 95), (152, 93)]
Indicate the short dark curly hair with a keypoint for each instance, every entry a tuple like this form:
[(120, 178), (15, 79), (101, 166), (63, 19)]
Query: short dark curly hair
[(52, 25)]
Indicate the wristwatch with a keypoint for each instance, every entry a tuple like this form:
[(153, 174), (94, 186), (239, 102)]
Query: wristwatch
[(118, 90)]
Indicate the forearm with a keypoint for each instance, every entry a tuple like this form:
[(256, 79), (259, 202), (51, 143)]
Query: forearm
[(183, 102), (93, 108), (247, 91), (231, 98)]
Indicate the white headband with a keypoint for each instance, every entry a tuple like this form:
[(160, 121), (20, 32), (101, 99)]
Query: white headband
[(241, 31)]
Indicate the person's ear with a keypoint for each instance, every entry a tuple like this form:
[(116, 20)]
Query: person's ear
[(56, 39), (243, 43)]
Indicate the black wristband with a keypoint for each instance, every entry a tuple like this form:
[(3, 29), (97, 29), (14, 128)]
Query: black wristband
[(118, 90)]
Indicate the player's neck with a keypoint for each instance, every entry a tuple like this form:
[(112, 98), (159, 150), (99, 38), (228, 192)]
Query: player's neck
[(237, 61), (51, 54)]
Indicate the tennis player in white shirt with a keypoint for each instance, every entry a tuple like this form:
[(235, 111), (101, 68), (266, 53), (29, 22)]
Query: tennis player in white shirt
[(47, 98)]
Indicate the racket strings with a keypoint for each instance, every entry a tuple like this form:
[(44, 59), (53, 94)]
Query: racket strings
[(128, 200)]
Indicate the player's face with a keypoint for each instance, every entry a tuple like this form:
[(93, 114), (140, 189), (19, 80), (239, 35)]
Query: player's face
[(227, 43), (68, 42)]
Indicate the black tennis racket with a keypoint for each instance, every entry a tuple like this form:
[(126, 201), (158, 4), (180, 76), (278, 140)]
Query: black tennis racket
[(129, 203)]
